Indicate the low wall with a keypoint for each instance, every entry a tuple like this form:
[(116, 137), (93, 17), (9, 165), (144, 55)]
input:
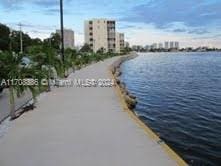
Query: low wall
[(19, 102)]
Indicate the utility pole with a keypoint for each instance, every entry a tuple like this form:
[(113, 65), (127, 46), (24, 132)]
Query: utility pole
[(21, 38), (62, 30)]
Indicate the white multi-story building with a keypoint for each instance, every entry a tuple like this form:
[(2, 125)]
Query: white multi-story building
[(154, 46), (166, 45), (119, 42), (160, 45), (126, 44), (147, 47), (68, 38), (177, 45), (100, 34), (172, 45)]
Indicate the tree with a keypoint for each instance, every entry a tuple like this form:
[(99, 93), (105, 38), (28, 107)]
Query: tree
[(53, 41), (86, 48), (4, 39), (15, 37), (46, 58), (11, 69), (36, 42), (71, 56)]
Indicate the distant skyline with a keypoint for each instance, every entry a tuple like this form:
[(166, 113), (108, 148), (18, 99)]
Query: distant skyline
[(191, 22)]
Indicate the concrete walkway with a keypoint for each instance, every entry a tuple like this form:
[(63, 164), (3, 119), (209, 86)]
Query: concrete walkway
[(80, 127)]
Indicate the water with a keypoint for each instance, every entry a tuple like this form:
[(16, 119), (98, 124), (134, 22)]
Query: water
[(179, 97)]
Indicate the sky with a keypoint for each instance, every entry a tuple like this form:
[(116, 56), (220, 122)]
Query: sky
[(191, 22)]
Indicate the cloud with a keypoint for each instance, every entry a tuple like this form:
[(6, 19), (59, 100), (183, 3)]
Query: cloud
[(46, 3), (162, 12), (179, 30), (40, 3), (198, 31), (54, 11), (127, 26), (12, 4)]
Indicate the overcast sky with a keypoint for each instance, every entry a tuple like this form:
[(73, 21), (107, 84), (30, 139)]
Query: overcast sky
[(191, 22)]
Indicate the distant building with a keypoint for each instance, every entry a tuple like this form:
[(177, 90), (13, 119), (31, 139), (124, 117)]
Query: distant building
[(160, 45), (166, 45), (100, 34), (177, 45), (137, 48), (147, 47), (126, 44), (154, 46), (68, 38), (172, 45), (119, 42)]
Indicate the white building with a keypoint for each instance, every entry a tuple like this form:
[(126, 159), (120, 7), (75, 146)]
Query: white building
[(119, 42), (166, 45), (177, 45), (126, 44), (172, 45), (154, 46), (160, 45), (68, 38), (147, 47), (100, 34)]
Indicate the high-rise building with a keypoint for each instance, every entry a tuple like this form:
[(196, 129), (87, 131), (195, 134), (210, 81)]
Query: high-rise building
[(68, 38), (100, 34), (172, 45), (119, 42), (177, 45), (147, 47), (126, 44), (160, 45), (166, 45), (154, 46)]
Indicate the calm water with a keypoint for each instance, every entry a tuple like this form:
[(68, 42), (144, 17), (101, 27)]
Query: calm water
[(179, 97)]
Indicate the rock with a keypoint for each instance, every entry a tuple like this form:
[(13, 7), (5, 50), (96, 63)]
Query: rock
[(132, 96), (131, 103)]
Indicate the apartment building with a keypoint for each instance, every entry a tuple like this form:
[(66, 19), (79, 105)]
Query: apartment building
[(100, 34), (177, 45), (172, 45), (68, 38), (126, 44), (166, 45), (119, 42), (160, 45)]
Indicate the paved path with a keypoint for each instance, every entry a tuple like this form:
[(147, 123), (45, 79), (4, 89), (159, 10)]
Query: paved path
[(80, 127)]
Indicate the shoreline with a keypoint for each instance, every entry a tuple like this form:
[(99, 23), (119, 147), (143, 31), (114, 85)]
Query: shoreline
[(128, 102), (116, 72)]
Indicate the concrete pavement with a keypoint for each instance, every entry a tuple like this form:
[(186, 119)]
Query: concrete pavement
[(80, 127)]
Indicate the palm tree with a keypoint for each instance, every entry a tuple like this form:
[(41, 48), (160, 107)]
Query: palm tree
[(45, 59), (11, 69)]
